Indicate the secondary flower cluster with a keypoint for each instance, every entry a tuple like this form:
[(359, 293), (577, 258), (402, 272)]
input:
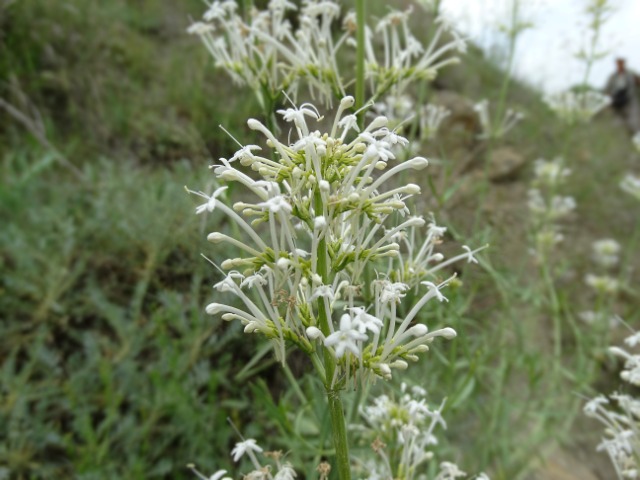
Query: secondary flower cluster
[(261, 470), (402, 432), (327, 223), (496, 129), (577, 107), (621, 441), (546, 206), (265, 52), (403, 57)]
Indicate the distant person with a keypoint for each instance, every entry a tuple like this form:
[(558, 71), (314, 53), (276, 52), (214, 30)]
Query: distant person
[(621, 88)]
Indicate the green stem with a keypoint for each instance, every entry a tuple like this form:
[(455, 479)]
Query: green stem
[(360, 22), (336, 411), (339, 434)]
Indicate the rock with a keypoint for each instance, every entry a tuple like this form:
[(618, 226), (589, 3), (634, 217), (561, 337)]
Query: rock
[(458, 133), (505, 164)]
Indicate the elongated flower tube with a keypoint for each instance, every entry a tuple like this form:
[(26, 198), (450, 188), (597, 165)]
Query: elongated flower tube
[(322, 211)]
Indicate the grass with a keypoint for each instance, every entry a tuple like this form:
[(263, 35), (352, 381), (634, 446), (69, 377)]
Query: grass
[(110, 367)]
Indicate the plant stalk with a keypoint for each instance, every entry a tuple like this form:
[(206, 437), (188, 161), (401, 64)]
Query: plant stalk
[(336, 411), (360, 21)]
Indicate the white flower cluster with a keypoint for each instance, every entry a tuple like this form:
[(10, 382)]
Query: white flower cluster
[(622, 425), (602, 284), (402, 108), (546, 206), (431, 117), (268, 55), (396, 108), (577, 107), (495, 130), (402, 432), (262, 471), (327, 221), (606, 255), (404, 58)]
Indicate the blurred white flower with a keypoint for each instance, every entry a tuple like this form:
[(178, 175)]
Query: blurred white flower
[(431, 116), (631, 184), (602, 284), (496, 129), (606, 252), (550, 173)]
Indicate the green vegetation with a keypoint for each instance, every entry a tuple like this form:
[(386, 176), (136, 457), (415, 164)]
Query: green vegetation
[(109, 366)]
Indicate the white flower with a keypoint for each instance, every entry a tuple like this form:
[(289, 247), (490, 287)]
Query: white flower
[(393, 292), (325, 291), (200, 28), (276, 204), (363, 321), (246, 447), (216, 476), (285, 473), (593, 405), (251, 281), (210, 205), (633, 340), (345, 338), (449, 471)]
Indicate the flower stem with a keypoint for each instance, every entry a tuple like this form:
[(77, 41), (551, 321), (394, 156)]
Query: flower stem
[(336, 410), (339, 434), (360, 25)]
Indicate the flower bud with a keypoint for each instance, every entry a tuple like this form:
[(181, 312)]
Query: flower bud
[(216, 237), (314, 333), (447, 333), (399, 364), (411, 189), (251, 327), (418, 163), (254, 124), (347, 102), (283, 263), (319, 222), (418, 330), (214, 308)]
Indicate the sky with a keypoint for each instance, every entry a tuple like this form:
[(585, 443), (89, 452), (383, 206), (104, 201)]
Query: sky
[(545, 52)]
